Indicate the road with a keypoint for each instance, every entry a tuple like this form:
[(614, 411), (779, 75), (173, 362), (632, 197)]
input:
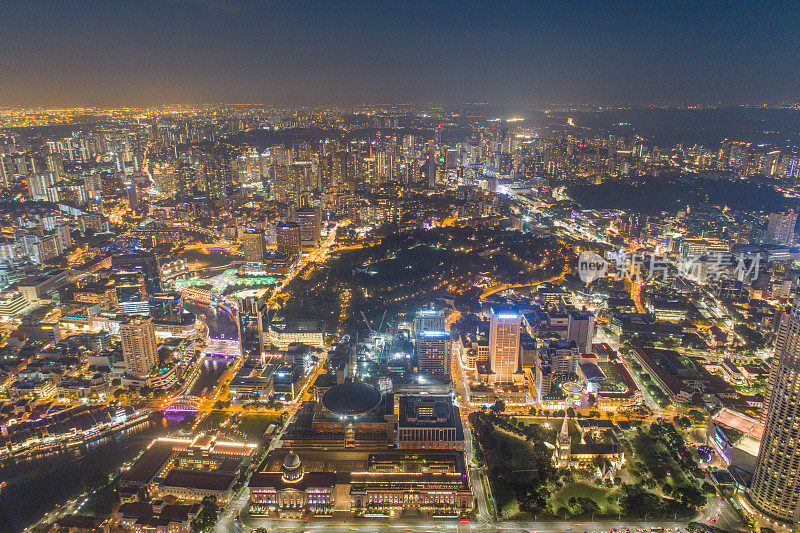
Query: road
[(317, 256), (719, 513), (228, 523), (477, 479), (232, 517), (499, 288)]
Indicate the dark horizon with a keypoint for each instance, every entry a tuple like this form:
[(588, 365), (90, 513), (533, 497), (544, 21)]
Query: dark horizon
[(96, 54)]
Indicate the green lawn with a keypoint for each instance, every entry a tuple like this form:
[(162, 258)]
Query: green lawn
[(553, 424), (212, 421), (254, 425), (580, 489)]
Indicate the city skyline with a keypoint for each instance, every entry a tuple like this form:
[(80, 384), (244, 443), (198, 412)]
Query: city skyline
[(300, 313), (334, 267), (168, 52)]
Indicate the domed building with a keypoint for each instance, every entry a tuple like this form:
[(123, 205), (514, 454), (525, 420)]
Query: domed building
[(354, 465), (352, 414), (283, 489), (351, 399), (292, 468)]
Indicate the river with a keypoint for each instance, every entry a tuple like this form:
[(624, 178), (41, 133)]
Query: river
[(220, 324), (37, 486), (209, 375)]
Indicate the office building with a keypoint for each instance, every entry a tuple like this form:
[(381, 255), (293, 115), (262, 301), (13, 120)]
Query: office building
[(504, 330), (429, 422), (429, 318), (138, 345), (144, 263), (131, 292), (780, 229), (166, 307), (310, 222), (775, 489), (251, 321), (99, 291), (283, 332), (580, 329), (215, 172), (288, 237), (433, 353), (430, 171), (557, 358), (254, 246)]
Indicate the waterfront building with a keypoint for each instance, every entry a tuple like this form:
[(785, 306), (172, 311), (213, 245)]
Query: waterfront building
[(138, 345), (254, 245)]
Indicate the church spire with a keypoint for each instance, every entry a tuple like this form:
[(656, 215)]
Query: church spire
[(563, 435)]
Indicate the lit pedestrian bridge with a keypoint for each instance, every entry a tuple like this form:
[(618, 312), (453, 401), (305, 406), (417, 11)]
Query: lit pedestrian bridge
[(182, 407)]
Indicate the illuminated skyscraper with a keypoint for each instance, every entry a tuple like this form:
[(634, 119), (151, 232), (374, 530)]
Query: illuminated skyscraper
[(138, 345), (433, 353), (775, 489), (166, 307), (430, 171), (429, 318), (288, 237), (580, 329), (255, 246), (504, 329), (216, 172), (251, 321), (310, 221)]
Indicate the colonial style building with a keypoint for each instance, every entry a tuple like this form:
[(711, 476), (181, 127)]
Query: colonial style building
[(379, 484), (604, 455)]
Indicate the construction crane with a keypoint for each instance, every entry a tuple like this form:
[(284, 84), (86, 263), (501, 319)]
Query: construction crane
[(367, 321), (382, 319)]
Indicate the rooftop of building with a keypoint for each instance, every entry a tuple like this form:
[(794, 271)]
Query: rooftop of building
[(351, 398), (592, 371), (298, 325), (146, 511), (430, 312), (309, 480), (324, 468), (429, 412), (149, 463), (740, 422), (197, 479)]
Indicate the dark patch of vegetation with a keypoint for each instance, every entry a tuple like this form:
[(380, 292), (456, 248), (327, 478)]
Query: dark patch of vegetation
[(652, 195), (406, 269)]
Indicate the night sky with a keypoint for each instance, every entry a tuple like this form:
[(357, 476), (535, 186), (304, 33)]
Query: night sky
[(505, 53)]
